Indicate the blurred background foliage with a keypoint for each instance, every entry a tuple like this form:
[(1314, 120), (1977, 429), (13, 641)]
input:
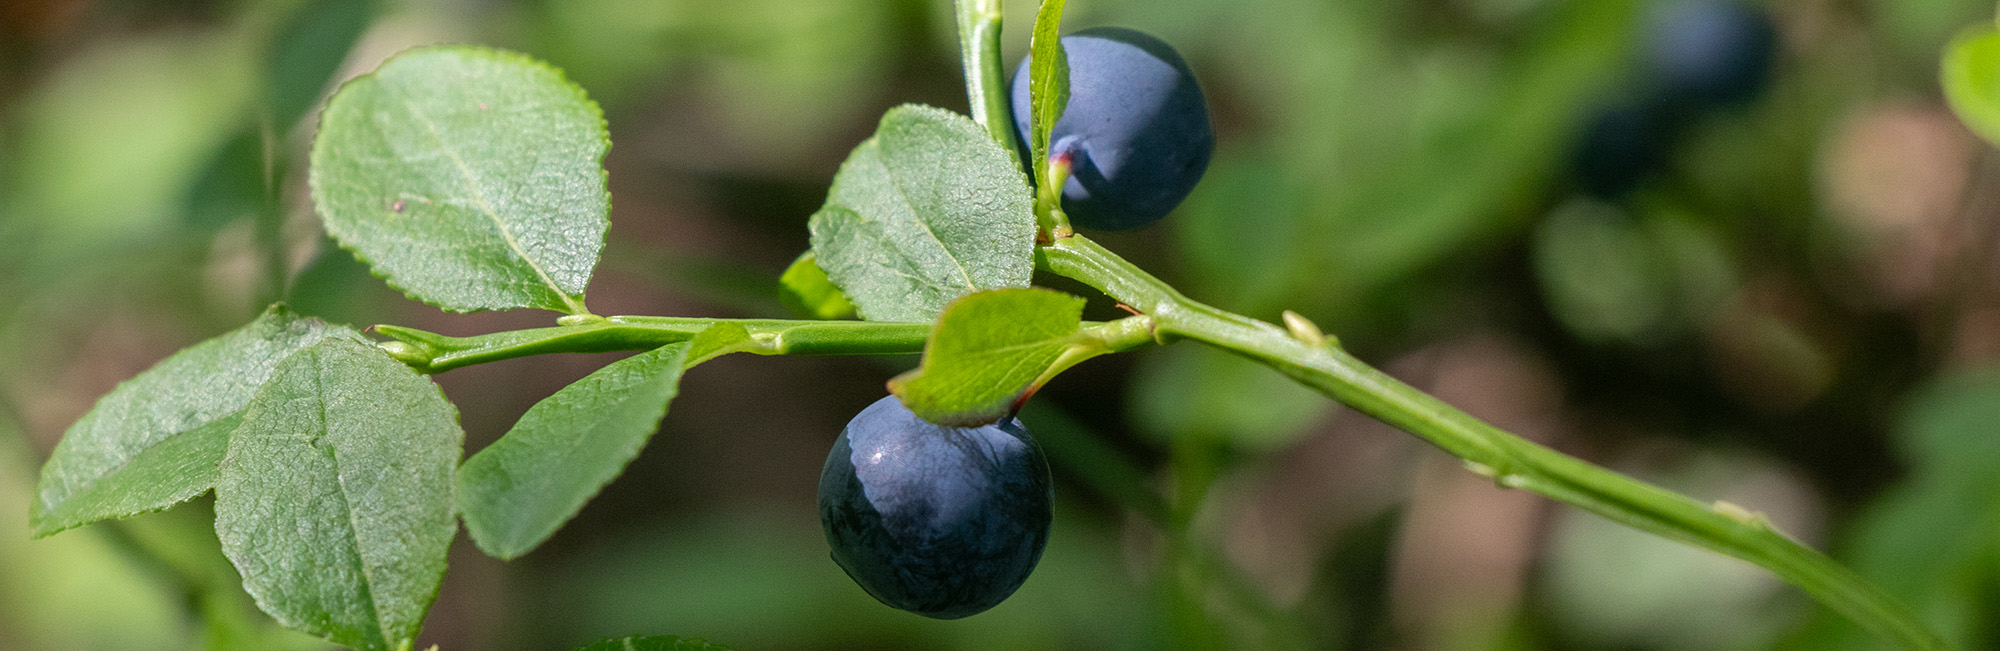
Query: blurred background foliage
[(1798, 312)]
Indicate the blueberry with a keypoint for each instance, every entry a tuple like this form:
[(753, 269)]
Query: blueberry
[(1711, 52), (1136, 128), (1699, 55), (1623, 144), (940, 521)]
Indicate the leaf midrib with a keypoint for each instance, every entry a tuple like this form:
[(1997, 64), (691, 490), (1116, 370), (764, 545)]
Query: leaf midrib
[(346, 502), (896, 181), (546, 482), (485, 208)]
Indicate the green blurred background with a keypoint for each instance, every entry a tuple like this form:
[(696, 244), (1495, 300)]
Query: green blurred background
[(1800, 314)]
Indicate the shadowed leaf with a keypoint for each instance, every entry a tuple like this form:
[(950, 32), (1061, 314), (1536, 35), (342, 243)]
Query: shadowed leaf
[(155, 441), (334, 501), (926, 211)]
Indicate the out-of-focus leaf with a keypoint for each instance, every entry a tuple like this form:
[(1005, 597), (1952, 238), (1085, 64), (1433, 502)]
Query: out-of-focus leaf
[(653, 643), (1602, 275), (776, 81), (1930, 545), (78, 593), (182, 544), (1435, 152), (231, 185), (767, 584), (1189, 389), (1918, 30), (335, 501), (1947, 431), (1241, 260), (1933, 541), (1455, 182), (1971, 78), (156, 440), (522, 488), (109, 145), (1640, 277), (805, 289), (1615, 587), (926, 211), (1089, 458), (986, 351), (307, 51), (471, 179)]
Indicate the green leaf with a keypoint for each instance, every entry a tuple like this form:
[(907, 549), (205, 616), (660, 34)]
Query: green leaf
[(470, 179), (987, 351), (335, 500), (1945, 432), (1048, 83), (230, 185), (306, 53), (155, 441), (926, 211), (653, 643), (805, 289), (1931, 539), (519, 490), (1605, 277), (522, 488), (1971, 78), (106, 144)]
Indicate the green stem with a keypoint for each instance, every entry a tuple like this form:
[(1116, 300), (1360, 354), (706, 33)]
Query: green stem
[(1511, 461), (430, 352), (270, 220), (434, 353), (985, 80)]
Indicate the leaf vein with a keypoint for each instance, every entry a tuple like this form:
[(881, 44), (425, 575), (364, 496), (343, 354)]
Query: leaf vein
[(485, 208), (896, 181), (347, 506)]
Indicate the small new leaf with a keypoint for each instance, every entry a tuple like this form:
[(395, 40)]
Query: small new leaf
[(805, 289), (1048, 83), (987, 351), (156, 440), (926, 211), (470, 179), (334, 501), (653, 643), (1971, 78)]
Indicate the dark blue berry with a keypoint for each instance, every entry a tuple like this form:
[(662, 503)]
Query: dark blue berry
[(1699, 55), (1136, 128), (940, 521), (1711, 52), (1622, 145)]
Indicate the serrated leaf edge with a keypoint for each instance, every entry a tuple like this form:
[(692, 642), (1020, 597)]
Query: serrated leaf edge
[(576, 302), (37, 510)]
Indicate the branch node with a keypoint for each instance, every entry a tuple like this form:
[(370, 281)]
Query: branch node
[(1304, 329), (1742, 515)]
